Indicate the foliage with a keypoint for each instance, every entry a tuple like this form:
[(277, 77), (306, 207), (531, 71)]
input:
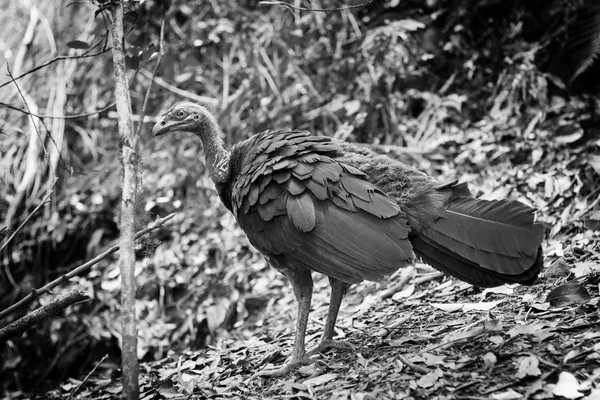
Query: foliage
[(467, 88)]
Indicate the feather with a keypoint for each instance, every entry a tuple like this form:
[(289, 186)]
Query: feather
[(317, 189), (281, 176), (301, 212), (303, 170), (294, 186), (272, 191)]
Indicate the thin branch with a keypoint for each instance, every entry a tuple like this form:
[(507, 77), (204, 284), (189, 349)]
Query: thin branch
[(88, 376), (52, 61), (407, 274), (11, 237), (40, 116), (411, 365), (64, 278), (161, 53), (34, 125), (19, 326), (293, 7), (184, 93)]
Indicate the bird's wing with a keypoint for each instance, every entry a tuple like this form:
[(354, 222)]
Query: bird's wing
[(294, 200)]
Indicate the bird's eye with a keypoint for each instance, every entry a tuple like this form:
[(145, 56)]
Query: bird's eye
[(180, 113)]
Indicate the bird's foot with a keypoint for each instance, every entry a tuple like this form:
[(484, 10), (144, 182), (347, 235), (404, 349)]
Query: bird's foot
[(285, 369), (328, 344)]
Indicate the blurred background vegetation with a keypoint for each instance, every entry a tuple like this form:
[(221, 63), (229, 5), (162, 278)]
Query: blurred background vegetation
[(499, 93)]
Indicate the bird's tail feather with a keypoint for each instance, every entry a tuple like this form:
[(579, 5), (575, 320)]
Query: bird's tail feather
[(485, 243)]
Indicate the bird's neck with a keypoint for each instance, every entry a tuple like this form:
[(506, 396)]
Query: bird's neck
[(217, 158)]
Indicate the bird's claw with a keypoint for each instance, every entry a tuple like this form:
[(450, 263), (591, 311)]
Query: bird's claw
[(285, 369), (328, 344)]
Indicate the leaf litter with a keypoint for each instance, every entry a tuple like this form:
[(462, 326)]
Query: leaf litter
[(422, 335)]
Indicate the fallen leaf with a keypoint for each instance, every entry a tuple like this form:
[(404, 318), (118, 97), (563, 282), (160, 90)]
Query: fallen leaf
[(530, 329), (594, 161), (569, 293), (568, 133), (584, 268), (429, 379), (448, 307), (540, 306), (557, 269), (320, 380), (497, 340), (508, 395), (528, 366), (481, 306), (594, 395), (404, 293), (567, 386), (504, 289), (431, 359), (571, 354), (489, 361)]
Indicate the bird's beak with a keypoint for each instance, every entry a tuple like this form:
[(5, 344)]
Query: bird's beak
[(160, 128)]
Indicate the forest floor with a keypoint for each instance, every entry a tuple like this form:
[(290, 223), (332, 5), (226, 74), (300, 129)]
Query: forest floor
[(428, 340), (420, 335)]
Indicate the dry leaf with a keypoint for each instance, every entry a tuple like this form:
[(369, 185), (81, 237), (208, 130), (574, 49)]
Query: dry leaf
[(447, 307), (504, 289), (583, 268), (569, 293), (567, 386), (320, 380), (481, 306), (489, 361), (594, 161), (528, 366), (508, 395), (429, 379)]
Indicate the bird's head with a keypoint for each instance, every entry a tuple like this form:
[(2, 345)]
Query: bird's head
[(186, 117)]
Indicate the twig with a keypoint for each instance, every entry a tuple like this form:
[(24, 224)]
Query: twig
[(478, 332), (60, 303), (161, 53), (407, 274), (40, 116), (394, 325), (44, 201), (412, 365), (88, 376), (290, 6), (64, 278), (55, 59), (540, 359), (35, 127), (211, 101), (428, 277)]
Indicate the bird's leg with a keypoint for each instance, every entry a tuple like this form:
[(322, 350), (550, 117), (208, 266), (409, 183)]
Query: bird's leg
[(302, 284), (338, 289)]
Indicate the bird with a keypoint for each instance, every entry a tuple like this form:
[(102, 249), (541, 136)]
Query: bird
[(311, 203)]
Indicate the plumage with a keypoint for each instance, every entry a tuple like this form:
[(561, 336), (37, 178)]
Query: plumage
[(313, 203)]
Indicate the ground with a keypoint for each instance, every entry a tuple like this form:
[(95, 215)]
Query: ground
[(418, 334), (439, 339)]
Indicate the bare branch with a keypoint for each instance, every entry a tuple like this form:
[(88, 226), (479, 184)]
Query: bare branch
[(11, 237), (52, 61), (88, 376), (54, 307), (64, 278), (40, 116), (34, 125), (211, 101), (161, 53)]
